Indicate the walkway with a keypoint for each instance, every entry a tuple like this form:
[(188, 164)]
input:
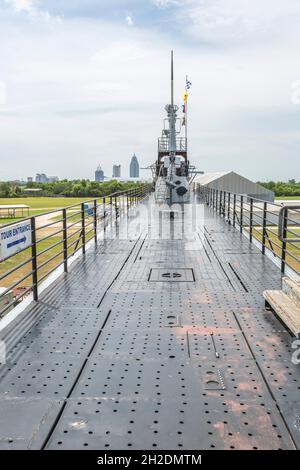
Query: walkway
[(155, 344)]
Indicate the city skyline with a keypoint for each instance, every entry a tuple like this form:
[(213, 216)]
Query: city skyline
[(99, 174)]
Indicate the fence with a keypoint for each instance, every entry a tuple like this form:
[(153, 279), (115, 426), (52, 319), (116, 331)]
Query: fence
[(55, 237), (272, 227)]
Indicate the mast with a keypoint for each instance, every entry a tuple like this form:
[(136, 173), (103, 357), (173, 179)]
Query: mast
[(172, 109), (186, 117), (172, 80)]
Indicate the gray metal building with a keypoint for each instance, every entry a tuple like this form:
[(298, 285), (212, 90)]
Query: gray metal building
[(233, 182), (99, 175), (116, 171)]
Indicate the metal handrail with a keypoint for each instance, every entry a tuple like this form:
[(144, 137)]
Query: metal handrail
[(87, 231), (164, 144), (282, 226), (255, 218)]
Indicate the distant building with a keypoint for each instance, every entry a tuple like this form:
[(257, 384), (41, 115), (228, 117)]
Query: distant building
[(134, 167), (99, 175), (232, 182), (32, 190), (41, 178), (117, 171), (29, 179)]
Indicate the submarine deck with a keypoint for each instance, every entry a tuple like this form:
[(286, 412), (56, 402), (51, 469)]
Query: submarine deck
[(154, 342)]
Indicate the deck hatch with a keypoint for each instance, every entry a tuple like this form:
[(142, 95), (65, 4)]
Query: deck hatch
[(171, 275)]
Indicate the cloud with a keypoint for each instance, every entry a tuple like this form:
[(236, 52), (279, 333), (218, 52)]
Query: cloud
[(90, 90), (234, 20), (22, 5), (165, 3), (129, 20), (31, 8)]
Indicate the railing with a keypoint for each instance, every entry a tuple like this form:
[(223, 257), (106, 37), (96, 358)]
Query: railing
[(274, 228), (55, 237), (163, 144)]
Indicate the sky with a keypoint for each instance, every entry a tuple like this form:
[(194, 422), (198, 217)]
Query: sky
[(84, 83)]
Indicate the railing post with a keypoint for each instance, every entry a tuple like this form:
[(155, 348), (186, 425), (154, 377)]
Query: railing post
[(234, 210), (95, 221), (224, 204), (104, 213), (65, 240), (251, 219), (220, 202), (264, 231), (241, 214), (284, 234), (34, 260), (116, 207), (228, 207), (83, 227), (111, 208)]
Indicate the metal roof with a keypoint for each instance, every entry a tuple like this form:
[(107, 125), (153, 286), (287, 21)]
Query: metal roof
[(207, 178)]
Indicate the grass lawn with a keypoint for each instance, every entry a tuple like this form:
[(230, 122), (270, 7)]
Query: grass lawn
[(6, 266), (287, 198), (39, 205), (45, 203), (275, 245)]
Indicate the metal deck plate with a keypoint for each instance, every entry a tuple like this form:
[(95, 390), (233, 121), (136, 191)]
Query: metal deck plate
[(45, 343), (36, 378), (100, 342), (291, 413), (156, 344), (234, 382), (72, 318), (128, 378), (283, 379), (253, 320), (228, 344), (92, 423), (272, 346), (26, 423)]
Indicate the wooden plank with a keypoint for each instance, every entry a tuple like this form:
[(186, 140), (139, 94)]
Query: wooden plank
[(285, 308), (292, 289)]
